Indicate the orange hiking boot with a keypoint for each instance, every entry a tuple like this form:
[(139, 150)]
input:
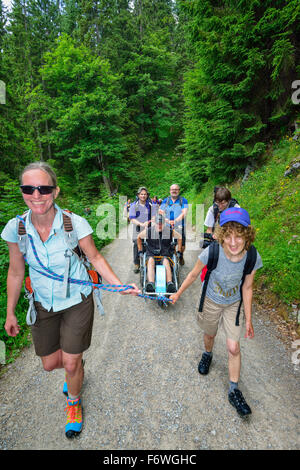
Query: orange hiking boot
[(74, 417)]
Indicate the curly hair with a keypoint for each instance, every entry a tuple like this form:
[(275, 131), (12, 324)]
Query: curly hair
[(247, 233)]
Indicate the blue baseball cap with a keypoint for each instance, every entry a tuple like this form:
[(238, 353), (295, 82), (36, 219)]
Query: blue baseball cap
[(235, 214)]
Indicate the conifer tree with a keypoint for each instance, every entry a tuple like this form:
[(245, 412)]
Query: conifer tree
[(238, 91)]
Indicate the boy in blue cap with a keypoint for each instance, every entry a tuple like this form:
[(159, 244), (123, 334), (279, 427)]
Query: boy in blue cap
[(235, 236)]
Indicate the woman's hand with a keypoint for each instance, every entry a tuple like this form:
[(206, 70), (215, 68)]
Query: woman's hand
[(134, 291), (11, 325)]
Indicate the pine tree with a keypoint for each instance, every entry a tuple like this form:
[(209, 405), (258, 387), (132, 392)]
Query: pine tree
[(238, 91), (79, 99)]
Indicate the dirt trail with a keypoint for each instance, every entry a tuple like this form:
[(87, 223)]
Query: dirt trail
[(142, 389)]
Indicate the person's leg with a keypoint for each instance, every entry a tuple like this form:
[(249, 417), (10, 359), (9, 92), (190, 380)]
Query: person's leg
[(208, 320), (136, 258), (74, 373), (233, 334), (208, 342), (168, 270), (151, 269), (204, 364), (234, 360), (235, 396), (52, 361)]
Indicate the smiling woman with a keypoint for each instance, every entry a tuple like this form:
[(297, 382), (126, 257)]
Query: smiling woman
[(64, 317)]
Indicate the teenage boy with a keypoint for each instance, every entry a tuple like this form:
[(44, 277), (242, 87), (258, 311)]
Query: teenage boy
[(235, 236)]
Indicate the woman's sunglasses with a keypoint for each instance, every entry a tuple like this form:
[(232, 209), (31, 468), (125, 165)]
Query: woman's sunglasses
[(26, 189)]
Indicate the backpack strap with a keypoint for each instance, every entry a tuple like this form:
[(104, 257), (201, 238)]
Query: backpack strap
[(213, 257), (22, 234), (232, 202), (215, 211), (248, 268)]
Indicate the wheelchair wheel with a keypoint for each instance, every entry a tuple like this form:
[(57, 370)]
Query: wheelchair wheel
[(142, 276)]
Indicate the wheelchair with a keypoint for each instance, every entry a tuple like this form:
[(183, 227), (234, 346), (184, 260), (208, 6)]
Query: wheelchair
[(160, 275)]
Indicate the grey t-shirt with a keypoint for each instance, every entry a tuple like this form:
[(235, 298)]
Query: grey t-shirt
[(224, 282)]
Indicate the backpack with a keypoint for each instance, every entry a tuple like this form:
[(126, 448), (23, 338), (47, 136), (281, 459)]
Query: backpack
[(216, 211), (213, 257), (71, 240)]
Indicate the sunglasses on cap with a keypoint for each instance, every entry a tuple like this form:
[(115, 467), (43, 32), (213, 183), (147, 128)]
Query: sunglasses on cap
[(27, 189)]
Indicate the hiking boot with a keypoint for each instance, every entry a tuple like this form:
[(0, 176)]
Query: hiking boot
[(237, 400), (150, 287), (171, 289), (136, 268), (203, 367), (74, 417)]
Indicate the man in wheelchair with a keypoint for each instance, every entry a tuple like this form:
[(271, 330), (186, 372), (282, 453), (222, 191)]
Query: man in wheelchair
[(160, 245)]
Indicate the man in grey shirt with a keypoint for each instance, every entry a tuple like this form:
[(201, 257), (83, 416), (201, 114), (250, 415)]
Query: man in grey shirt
[(235, 236)]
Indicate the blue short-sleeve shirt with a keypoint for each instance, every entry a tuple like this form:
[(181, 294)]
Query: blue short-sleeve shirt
[(51, 253), (173, 209)]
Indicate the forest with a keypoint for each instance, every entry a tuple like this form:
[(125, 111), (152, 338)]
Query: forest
[(95, 86), (119, 93)]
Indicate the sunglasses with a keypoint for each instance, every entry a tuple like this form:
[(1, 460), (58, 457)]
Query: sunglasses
[(26, 189)]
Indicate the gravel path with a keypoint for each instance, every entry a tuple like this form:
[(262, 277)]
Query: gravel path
[(142, 389)]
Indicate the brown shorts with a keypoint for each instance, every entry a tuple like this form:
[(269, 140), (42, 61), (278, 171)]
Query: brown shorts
[(69, 329), (214, 315)]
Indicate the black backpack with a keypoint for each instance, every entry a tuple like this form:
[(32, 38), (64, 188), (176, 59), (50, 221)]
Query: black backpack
[(213, 257)]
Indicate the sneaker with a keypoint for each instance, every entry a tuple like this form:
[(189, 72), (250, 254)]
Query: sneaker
[(74, 417), (237, 400), (150, 287), (136, 268), (171, 289), (203, 367)]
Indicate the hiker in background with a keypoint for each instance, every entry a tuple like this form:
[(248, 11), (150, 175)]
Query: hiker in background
[(126, 210), (231, 265), (140, 214), (155, 200), (64, 319), (175, 208), (222, 200)]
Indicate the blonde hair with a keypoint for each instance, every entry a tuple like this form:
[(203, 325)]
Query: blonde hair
[(247, 233), (40, 166)]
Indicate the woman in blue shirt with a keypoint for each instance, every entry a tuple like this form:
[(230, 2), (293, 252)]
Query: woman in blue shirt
[(63, 327)]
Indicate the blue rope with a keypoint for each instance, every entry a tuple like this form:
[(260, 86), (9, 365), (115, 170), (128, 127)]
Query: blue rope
[(58, 277)]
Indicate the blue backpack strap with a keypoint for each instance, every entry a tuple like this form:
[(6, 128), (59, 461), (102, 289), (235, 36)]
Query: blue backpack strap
[(213, 257), (248, 268)]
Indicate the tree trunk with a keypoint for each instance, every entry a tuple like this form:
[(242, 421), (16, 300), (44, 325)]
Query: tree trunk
[(106, 180)]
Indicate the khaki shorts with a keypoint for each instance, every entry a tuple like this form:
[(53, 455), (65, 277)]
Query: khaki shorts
[(214, 315), (69, 329)]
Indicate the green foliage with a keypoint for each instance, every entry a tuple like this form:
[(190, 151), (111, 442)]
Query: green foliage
[(78, 96), (11, 204), (272, 200), (238, 91)]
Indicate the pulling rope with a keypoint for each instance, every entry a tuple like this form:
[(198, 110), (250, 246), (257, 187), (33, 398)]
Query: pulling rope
[(57, 277)]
